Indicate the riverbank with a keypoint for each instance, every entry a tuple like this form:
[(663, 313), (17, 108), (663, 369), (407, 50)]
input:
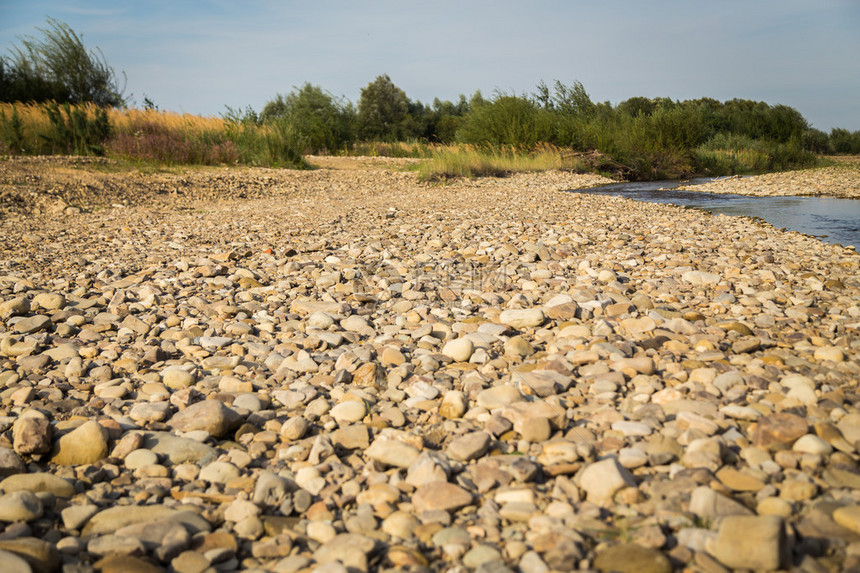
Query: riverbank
[(841, 180), (270, 370)]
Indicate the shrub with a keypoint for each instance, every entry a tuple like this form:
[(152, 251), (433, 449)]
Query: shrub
[(413, 149), (843, 141), (731, 154), (158, 144), (322, 123), (507, 120), (448, 162), (815, 140)]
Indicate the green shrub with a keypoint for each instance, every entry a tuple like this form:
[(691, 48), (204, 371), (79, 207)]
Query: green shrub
[(507, 120), (731, 154), (843, 142), (404, 149), (450, 162), (815, 140), (321, 122)]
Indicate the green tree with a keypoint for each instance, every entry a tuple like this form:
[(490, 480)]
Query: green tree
[(58, 66), (636, 106), (445, 118), (321, 121), (814, 140), (843, 141), (382, 109)]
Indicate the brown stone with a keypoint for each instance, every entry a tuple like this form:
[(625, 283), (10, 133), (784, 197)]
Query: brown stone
[(779, 431), (440, 496)]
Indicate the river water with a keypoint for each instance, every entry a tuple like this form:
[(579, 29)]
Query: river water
[(832, 220)]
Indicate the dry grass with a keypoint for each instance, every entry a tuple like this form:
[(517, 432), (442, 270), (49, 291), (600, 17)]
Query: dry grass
[(35, 119), (131, 120)]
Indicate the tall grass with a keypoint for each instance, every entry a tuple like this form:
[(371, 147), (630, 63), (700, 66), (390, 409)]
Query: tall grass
[(148, 136), (410, 149), (453, 161)]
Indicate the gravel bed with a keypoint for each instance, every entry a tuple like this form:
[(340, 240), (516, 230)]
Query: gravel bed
[(345, 370)]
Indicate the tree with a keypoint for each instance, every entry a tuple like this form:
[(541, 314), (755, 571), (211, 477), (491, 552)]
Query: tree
[(59, 67), (637, 106), (382, 109), (323, 122)]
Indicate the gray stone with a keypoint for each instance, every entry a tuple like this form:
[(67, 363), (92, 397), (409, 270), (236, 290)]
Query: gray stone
[(176, 449)]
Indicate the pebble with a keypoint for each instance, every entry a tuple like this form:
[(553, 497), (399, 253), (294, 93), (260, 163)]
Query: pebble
[(177, 377), (469, 447), (440, 496), (749, 542), (812, 444), (522, 318), (632, 558), (86, 444), (20, 506), (12, 563), (404, 379), (392, 452), (210, 416), (601, 480), (349, 411)]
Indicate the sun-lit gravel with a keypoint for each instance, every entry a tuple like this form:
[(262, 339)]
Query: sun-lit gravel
[(345, 370)]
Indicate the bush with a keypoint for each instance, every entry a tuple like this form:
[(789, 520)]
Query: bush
[(731, 154), (321, 122), (507, 120), (449, 162), (843, 141), (815, 140), (51, 128)]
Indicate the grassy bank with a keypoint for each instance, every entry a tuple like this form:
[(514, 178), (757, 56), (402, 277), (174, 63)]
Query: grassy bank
[(501, 137), (145, 136)]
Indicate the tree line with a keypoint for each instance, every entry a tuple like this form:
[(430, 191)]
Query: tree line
[(646, 136)]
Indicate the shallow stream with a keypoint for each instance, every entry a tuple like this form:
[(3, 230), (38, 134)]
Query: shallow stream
[(830, 219)]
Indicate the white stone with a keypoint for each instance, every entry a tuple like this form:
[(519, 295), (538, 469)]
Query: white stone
[(601, 480), (522, 317), (459, 350)]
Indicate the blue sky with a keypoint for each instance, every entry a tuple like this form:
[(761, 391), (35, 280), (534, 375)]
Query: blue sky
[(201, 56)]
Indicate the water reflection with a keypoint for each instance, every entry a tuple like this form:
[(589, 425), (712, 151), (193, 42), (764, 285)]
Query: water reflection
[(832, 220)]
